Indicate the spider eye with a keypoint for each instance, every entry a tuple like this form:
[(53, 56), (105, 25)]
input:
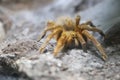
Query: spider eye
[(73, 34)]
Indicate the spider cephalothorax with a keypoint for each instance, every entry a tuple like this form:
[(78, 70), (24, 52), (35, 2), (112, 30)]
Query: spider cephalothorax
[(67, 31)]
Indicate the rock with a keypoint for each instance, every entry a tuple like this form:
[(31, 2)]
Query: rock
[(5, 23), (2, 32)]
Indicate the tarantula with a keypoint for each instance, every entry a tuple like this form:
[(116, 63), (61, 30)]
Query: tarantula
[(67, 31)]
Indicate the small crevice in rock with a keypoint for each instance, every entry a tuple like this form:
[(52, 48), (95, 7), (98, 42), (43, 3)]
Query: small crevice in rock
[(8, 68)]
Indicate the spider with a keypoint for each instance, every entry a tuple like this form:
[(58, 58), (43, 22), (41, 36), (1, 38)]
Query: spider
[(67, 31)]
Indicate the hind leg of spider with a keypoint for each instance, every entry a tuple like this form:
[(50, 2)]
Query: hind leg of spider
[(90, 23), (82, 41), (50, 26), (96, 43), (77, 19), (47, 41), (90, 28), (60, 44), (44, 33)]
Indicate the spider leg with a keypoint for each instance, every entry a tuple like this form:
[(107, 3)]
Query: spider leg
[(90, 23), (77, 19), (44, 32), (96, 43), (47, 40), (50, 26), (60, 44), (90, 28), (82, 41)]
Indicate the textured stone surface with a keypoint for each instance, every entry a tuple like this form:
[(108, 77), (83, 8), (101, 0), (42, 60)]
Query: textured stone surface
[(2, 35)]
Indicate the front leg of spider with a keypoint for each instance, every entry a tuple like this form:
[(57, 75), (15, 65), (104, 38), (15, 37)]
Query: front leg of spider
[(82, 41), (50, 36), (60, 44), (79, 36), (96, 43)]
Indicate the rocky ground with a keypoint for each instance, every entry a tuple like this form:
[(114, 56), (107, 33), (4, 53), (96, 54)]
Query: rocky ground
[(19, 55)]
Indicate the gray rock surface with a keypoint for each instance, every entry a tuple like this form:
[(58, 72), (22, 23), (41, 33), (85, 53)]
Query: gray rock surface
[(2, 35)]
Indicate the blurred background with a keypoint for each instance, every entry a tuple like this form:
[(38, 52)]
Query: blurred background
[(31, 15)]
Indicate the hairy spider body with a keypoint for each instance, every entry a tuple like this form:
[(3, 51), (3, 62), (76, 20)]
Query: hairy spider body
[(67, 31)]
